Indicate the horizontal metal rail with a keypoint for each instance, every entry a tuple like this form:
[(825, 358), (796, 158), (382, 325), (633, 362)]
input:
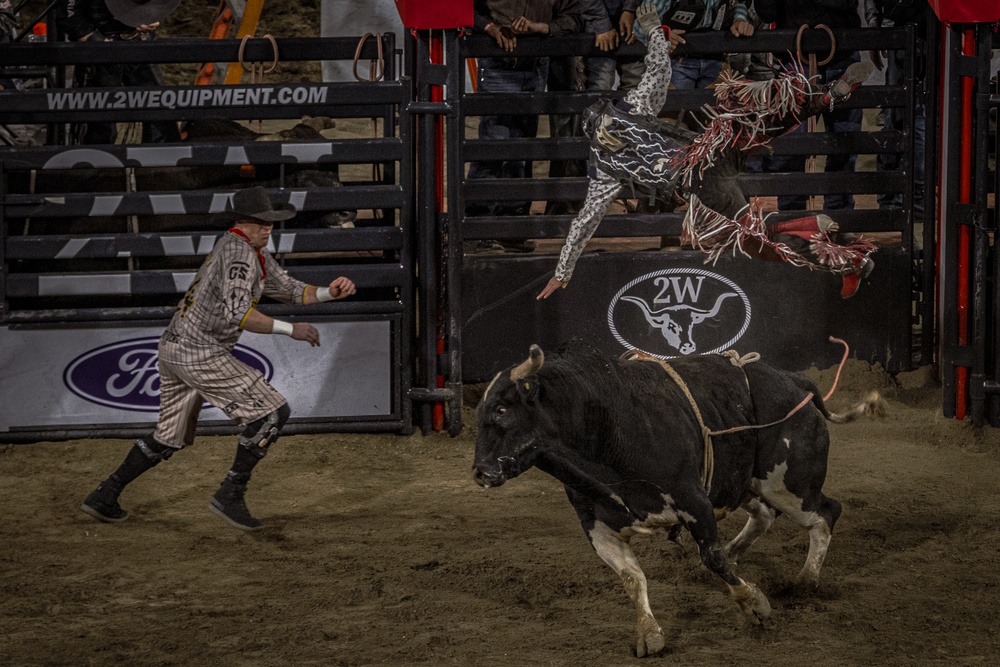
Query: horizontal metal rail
[(133, 283), (64, 246), (578, 148), (175, 50), (196, 202), (337, 151)]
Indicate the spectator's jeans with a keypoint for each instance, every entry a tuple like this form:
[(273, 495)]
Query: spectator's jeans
[(691, 73), (111, 75), (838, 120), (600, 73), (497, 76), (894, 119)]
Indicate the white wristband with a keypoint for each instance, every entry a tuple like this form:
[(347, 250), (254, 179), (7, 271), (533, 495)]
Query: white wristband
[(323, 294), (279, 327)]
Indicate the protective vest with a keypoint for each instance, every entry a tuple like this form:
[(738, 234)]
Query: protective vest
[(641, 152)]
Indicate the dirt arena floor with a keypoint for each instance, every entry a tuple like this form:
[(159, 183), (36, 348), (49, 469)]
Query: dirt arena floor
[(380, 550)]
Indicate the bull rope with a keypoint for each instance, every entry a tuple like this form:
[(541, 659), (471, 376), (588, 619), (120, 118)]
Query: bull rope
[(708, 459)]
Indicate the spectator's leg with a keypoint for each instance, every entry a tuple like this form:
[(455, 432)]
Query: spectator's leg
[(566, 74), (839, 121), (892, 116), (795, 164), (630, 71), (599, 73), (708, 72), (496, 76), (685, 74)]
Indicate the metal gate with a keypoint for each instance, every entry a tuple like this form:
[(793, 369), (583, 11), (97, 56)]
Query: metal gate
[(92, 273), (968, 261), (99, 242), (783, 312)]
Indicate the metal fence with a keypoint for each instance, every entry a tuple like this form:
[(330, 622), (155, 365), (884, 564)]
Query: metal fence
[(95, 238), (890, 342), (99, 237), (968, 263)]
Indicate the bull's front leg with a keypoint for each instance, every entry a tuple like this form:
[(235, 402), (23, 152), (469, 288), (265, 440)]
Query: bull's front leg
[(700, 521), (614, 549)]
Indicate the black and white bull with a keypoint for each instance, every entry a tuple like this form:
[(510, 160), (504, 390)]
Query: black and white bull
[(625, 439)]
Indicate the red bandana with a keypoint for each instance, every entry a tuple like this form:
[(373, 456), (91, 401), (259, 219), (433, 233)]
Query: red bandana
[(260, 255)]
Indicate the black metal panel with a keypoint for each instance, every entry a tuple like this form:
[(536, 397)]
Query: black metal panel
[(792, 311)]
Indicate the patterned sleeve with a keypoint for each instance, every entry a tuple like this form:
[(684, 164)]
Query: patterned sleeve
[(237, 271), (280, 286), (648, 97), (600, 191)]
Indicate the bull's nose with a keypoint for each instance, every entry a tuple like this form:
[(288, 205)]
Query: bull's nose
[(486, 479)]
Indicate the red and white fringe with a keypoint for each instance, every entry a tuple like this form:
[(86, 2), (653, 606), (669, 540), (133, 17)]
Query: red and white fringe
[(713, 233)]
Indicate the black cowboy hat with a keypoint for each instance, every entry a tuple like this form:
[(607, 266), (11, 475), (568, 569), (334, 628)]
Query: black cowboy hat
[(135, 13), (254, 205)]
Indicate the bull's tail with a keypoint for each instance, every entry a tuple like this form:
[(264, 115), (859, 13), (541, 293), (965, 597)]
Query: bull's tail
[(872, 405)]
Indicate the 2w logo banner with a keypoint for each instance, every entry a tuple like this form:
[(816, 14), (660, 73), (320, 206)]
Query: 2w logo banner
[(679, 312)]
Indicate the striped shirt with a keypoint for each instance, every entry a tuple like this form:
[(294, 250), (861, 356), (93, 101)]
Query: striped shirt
[(210, 316)]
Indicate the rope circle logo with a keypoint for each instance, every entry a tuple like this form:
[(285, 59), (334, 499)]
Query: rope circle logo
[(677, 312), (124, 374)]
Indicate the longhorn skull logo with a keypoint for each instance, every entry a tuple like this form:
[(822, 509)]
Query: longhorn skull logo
[(677, 323)]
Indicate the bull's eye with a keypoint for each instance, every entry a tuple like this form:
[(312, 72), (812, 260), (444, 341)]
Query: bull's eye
[(501, 410)]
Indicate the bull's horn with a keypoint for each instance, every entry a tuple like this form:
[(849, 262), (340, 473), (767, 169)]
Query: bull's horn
[(529, 366)]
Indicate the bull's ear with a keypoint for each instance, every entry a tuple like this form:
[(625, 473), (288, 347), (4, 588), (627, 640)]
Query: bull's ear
[(528, 389)]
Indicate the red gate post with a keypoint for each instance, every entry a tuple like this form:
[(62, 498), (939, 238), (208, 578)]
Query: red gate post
[(964, 12), (435, 16)]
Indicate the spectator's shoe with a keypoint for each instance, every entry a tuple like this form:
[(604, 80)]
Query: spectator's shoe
[(102, 503), (852, 281), (228, 503), (853, 77)]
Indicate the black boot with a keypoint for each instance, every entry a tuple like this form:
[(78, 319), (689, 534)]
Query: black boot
[(102, 503), (228, 503)]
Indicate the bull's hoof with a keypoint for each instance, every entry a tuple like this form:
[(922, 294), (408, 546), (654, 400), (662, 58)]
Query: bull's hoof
[(649, 638), (650, 644), (753, 603)]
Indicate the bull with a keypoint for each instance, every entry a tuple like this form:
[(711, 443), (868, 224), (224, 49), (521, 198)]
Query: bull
[(647, 447)]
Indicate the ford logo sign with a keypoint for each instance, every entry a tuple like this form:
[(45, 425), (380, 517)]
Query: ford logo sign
[(124, 375), (677, 312)]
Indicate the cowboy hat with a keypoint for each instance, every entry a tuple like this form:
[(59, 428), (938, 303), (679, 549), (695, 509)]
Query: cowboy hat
[(253, 204), (135, 13)]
